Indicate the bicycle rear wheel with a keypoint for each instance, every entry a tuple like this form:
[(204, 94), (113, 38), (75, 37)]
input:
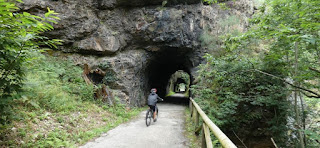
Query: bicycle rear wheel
[(148, 117)]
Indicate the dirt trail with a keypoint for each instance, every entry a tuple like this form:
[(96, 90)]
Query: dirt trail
[(166, 132)]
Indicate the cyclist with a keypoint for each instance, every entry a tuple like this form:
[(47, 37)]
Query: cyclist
[(152, 102)]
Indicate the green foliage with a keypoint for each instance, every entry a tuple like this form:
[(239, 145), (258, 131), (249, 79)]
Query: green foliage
[(283, 43), (210, 1), (291, 26), (19, 35), (49, 84), (170, 93), (185, 77), (223, 6), (290, 29), (56, 108), (195, 142), (313, 132), (105, 65), (235, 97), (56, 84), (110, 77), (313, 137), (56, 138)]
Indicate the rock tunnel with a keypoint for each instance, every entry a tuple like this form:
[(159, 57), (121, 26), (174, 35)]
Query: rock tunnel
[(163, 64)]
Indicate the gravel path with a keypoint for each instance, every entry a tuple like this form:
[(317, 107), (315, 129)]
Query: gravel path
[(167, 132)]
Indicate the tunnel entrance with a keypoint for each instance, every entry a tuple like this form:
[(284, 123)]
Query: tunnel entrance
[(163, 64), (178, 85)]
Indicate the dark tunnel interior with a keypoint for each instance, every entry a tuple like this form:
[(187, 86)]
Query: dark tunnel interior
[(163, 64)]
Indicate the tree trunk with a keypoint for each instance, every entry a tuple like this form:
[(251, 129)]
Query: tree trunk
[(303, 118), (301, 140)]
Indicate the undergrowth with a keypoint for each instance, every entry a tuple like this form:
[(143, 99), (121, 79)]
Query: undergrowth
[(56, 108), (312, 130), (194, 141)]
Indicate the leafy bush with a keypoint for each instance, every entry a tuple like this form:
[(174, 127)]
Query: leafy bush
[(238, 99), (19, 35)]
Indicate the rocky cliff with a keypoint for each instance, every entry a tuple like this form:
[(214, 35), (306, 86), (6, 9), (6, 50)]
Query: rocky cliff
[(140, 43)]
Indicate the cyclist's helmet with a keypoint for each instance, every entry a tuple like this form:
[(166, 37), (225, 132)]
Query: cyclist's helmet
[(153, 90)]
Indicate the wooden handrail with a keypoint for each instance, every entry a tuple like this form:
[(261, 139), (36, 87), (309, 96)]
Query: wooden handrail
[(223, 139)]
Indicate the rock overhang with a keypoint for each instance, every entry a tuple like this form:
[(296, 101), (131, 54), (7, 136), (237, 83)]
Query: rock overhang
[(132, 35)]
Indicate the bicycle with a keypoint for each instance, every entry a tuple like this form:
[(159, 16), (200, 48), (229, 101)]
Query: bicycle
[(149, 116)]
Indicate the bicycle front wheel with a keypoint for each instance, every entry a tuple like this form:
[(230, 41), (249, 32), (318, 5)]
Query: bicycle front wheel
[(148, 117)]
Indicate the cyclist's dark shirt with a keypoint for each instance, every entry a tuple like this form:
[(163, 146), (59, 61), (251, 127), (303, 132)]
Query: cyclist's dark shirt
[(153, 98)]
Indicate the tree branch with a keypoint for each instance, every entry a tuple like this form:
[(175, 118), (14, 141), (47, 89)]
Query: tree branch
[(310, 96), (315, 94), (275, 145), (315, 70), (239, 139)]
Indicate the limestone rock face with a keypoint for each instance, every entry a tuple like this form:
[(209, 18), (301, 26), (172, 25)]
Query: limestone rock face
[(85, 27), (170, 27), (128, 33), (109, 4), (127, 69), (101, 42)]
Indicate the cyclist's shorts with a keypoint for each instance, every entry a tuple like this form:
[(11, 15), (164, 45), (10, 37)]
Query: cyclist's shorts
[(152, 107)]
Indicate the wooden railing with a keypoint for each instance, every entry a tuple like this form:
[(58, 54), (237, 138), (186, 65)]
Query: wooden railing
[(206, 127)]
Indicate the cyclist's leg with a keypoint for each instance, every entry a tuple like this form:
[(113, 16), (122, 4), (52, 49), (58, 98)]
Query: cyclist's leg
[(153, 108), (157, 109), (155, 113)]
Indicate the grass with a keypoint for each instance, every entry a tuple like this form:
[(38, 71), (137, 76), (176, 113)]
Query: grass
[(56, 108), (195, 141), (170, 93)]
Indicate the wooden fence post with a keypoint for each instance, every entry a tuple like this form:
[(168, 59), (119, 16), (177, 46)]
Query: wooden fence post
[(207, 136), (203, 138), (208, 126), (191, 107), (197, 120), (194, 112)]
